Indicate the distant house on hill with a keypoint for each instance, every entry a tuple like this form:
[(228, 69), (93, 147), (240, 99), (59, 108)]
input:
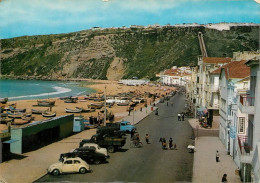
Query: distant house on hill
[(176, 76)]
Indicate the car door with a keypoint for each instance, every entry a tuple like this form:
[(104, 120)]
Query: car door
[(67, 166), (76, 165)]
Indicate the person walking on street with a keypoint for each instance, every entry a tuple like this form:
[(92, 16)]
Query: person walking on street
[(179, 116), (182, 115), (217, 156), (147, 138), (164, 144), (171, 103), (167, 103), (224, 178), (132, 133), (175, 147), (170, 143)]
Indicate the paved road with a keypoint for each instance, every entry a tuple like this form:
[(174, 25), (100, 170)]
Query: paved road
[(150, 163)]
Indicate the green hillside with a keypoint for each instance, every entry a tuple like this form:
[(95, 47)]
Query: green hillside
[(118, 53)]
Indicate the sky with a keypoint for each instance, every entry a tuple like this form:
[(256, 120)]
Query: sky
[(37, 17)]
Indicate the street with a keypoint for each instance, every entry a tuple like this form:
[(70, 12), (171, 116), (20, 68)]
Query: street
[(150, 163)]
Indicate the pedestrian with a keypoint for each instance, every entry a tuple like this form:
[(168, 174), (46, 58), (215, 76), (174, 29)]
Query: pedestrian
[(224, 178), (167, 103), (132, 133), (164, 144), (129, 110), (170, 143), (179, 116), (182, 115), (172, 104), (147, 138), (217, 156), (175, 147), (141, 109), (156, 112), (160, 140)]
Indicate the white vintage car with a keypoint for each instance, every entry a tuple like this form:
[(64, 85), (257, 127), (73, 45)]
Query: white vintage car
[(69, 165), (96, 147)]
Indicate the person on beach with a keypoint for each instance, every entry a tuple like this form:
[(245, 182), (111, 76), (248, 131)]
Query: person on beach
[(217, 156), (170, 143), (147, 138)]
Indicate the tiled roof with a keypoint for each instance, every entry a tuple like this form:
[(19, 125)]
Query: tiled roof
[(217, 71), (236, 69), (216, 60)]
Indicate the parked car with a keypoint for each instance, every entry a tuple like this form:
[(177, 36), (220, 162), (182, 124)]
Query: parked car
[(96, 148), (69, 165), (87, 154)]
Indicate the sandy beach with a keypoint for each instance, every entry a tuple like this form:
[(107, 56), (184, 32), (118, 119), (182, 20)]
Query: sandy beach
[(112, 88)]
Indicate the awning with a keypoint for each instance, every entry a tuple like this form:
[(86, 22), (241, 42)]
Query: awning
[(10, 141)]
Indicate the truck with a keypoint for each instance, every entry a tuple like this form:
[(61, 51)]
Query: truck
[(123, 126), (112, 143)]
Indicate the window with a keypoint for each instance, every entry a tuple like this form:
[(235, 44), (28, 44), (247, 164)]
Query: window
[(76, 162), (68, 162), (241, 125)]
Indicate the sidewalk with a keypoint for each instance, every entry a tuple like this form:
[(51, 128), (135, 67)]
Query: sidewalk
[(35, 163), (136, 116), (205, 167)]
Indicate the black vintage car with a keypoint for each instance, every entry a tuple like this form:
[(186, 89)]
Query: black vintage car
[(87, 154)]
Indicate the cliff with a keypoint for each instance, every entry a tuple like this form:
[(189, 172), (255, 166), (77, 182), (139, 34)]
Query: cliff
[(118, 53)]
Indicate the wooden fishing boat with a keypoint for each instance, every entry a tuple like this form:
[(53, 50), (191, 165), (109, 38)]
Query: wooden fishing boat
[(5, 120), (95, 105), (34, 111), (2, 115), (83, 109), (45, 103), (73, 110), (17, 110), (72, 100), (122, 104), (22, 121), (3, 100), (48, 114), (15, 114)]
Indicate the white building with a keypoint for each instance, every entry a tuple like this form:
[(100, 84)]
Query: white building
[(133, 82), (176, 76), (234, 80), (250, 104)]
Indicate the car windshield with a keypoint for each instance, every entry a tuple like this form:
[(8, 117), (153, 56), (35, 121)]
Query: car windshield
[(128, 123)]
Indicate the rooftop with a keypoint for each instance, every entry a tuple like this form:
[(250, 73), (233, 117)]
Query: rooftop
[(216, 60), (235, 69)]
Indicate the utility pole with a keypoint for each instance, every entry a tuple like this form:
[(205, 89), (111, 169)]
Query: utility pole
[(105, 118)]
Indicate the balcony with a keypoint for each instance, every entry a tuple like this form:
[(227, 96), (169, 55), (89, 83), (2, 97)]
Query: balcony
[(245, 149), (247, 104)]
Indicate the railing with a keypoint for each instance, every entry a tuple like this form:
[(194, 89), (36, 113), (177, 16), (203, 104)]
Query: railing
[(244, 146), (245, 100)]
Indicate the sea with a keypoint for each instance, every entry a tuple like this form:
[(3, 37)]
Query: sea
[(37, 89)]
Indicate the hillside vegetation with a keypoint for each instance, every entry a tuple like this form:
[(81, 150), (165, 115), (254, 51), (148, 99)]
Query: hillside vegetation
[(118, 53)]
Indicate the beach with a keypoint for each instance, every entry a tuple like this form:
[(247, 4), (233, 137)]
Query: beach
[(112, 88)]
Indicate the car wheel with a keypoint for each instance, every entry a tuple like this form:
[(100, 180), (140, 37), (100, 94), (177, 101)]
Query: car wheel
[(110, 149), (82, 170), (55, 172), (97, 161), (127, 131)]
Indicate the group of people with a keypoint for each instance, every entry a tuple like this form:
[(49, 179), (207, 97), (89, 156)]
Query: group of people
[(181, 116), (164, 144)]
